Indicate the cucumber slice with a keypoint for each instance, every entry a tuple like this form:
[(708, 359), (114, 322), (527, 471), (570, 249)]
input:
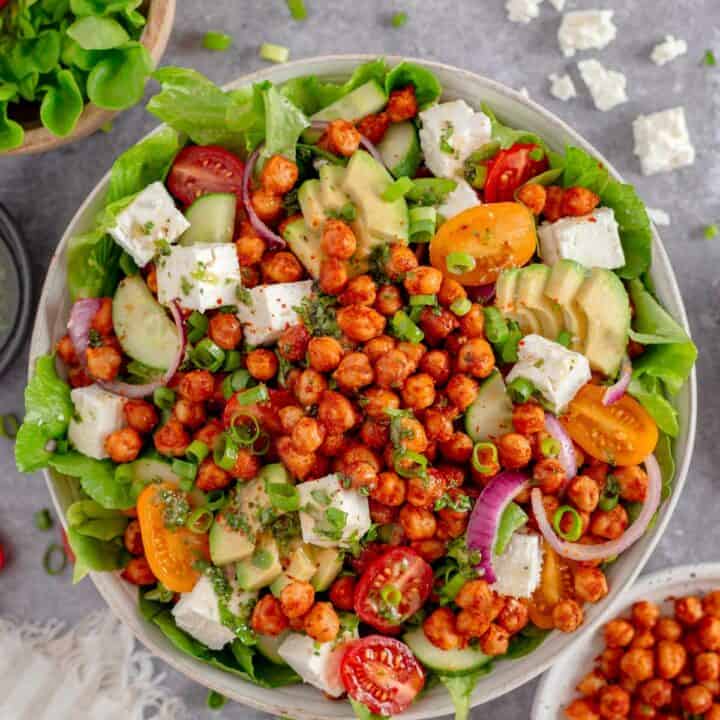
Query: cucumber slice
[(268, 645), (446, 662), (142, 326), (211, 218), (364, 100), (490, 414), (400, 149)]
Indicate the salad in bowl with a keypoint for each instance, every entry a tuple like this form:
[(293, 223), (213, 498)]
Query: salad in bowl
[(361, 386)]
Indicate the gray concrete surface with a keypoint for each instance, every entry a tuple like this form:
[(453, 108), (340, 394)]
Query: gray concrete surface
[(44, 192)]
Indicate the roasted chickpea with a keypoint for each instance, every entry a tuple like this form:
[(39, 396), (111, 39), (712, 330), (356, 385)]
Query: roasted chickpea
[(296, 598), (709, 632), (618, 633), (140, 415), (591, 684), (132, 539), (250, 276), (688, 610), (171, 439), (423, 280), (450, 291), (388, 300), (611, 524), (322, 622), (638, 664), (656, 692), (667, 629), (249, 248), (300, 464), (436, 363), (436, 324), (342, 137), (418, 523), (374, 434), (360, 290), (419, 391), (597, 470), (633, 481), (66, 350), (438, 424), (429, 550), (402, 104), (324, 353), (707, 666), (289, 416), (102, 320), (211, 477), (338, 240), (711, 603), (354, 371), (333, 276), (643, 639), (262, 364), (495, 641), (609, 662), (670, 658), (360, 323), (424, 492), (553, 203), (362, 475), (355, 452), (412, 435), (247, 465), (335, 412), (567, 616), (392, 369), (309, 388), (197, 385), (279, 175), (209, 433), (378, 346), (475, 595), (472, 324), (333, 444), (377, 400), (267, 205), (692, 643), (590, 584), (138, 572), (225, 330), (533, 196), (584, 493), (78, 377), (123, 445), (190, 414), (103, 362), (390, 489), (476, 358), (514, 451), (514, 616), (267, 616), (374, 127), (458, 448), (461, 391), (696, 699), (613, 702), (712, 714), (549, 475), (440, 628), (577, 201), (472, 625), (293, 343), (280, 267), (382, 514), (528, 418), (307, 435), (401, 260), (414, 352), (581, 709)]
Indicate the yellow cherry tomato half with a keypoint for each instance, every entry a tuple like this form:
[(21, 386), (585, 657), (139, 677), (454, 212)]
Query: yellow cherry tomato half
[(171, 553), (495, 235)]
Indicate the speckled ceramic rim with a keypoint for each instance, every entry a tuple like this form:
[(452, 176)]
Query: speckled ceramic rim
[(557, 688), (305, 702)]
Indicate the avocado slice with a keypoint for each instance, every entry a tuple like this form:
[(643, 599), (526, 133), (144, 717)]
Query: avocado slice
[(331, 192), (306, 244), (490, 414), (604, 300), (262, 567), (566, 278), (228, 545), (530, 294), (329, 564), (506, 302), (311, 204), (302, 563)]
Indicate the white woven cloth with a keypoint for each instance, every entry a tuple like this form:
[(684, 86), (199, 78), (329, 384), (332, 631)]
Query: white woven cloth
[(92, 671)]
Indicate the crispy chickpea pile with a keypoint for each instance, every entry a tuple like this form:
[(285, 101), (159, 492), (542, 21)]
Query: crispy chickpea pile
[(656, 666)]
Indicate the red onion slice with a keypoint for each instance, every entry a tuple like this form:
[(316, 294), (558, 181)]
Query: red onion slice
[(567, 450), (483, 293), (616, 391), (140, 391), (274, 241), (369, 146), (583, 553), (78, 327), (487, 513)]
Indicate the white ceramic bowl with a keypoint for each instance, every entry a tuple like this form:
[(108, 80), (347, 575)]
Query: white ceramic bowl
[(304, 701), (557, 689)]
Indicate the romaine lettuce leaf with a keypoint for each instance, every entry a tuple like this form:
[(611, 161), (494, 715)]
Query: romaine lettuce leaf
[(92, 520), (93, 554), (93, 265), (648, 391), (461, 688), (507, 136), (652, 324), (283, 124), (362, 711)]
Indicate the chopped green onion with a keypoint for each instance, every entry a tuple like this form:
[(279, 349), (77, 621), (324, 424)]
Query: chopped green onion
[(399, 19), (9, 426), (711, 232), (127, 265), (274, 53), (43, 519), (477, 176), (54, 560), (709, 58), (418, 467), (200, 520), (197, 451), (207, 355), (485, 152), (477, 463), (405, 329), (244, 429), (564, 338), (608, 502), (549, 447), (164, 398), (233, 358), (610, 495), (215, 500), (226, 387), (283, 496), (520, 390), (215, 701), (240, 379), (422, 300), (159, 593), (398, 189), (422, 223), (452, 588), (461, 306), (496, 329), (297, 9), (257, 394), (573, 535), (391, 595), (217, 41), (536, 154), (198, 325), (225, 452), (186, 471), (459, 262)]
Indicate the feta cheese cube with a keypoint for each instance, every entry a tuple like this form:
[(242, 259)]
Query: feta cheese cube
[(269, 309), (556, 372), (518, 568), (668, 50), (658, 216), (98, 413), (461, 198), (330, 515), (562, 87), (148, 223), (592, 240), (201, 277), (607, 87), (450, 132), (316, 663), (198, 614), (586, 30), (522, 11), (662, 141)]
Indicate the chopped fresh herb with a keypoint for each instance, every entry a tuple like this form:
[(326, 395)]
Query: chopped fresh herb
[(147, 228), (711, 232), (564, 338), (445, 136), (378, 261), (335, 520), (185, 285), (318, 314), (321, 497), (462, 503), (709, 58), (347, 212), (176, 508), (243, 296), (43, 519), (297, 9), (215, 701), (290, 202), (217, 41), (520, 390), (162, 247), (399, 19), (274, 53), (94, 339)]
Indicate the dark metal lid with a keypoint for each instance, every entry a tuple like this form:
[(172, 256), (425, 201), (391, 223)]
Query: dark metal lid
[(15, 289)]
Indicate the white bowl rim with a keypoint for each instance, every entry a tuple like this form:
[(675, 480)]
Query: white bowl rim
[(654, 587), (661, 263)]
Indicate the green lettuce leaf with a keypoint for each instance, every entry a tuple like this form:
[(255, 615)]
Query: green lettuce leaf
[(283, 124), (427, 87), (12, 134), (93, 265), (666, 461), (48, 410), (671, 363), (362, 712), (652, 324), (62, 105), (513, 518), (93, 554), (648, 391), (97, 33), (507, 136), (92, 520), (461, 688), (118, 81), (526, 641)]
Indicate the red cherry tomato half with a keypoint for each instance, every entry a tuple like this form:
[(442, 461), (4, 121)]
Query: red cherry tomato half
[(510, 169), (202, 169), (382, 674), (394, 587), (368, 555)]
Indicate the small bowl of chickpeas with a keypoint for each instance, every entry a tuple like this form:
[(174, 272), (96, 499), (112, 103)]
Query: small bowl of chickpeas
[(657, 658)]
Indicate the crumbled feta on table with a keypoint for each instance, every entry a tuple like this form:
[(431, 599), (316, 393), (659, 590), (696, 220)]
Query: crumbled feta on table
[(267, 310), (586, 30), (522, 11), (607, 87), (562, 87), (662, 141), (592, 240), (201, 277), (148, 224), (518, 569), (668, 50), (98, 413), (556, 372), (461, 198), (450, 132)]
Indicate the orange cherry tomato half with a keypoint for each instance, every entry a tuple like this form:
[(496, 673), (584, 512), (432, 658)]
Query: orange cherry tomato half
[(619, 434), (556, 584), (497, 236), (382, 674), (171, 553), (510, 169)]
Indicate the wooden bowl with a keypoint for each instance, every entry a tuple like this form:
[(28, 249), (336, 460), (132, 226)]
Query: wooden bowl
[(155, 36)]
